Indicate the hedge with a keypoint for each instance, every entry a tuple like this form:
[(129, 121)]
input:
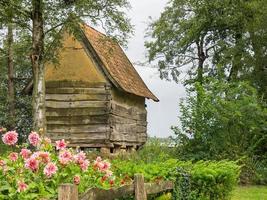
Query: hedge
[(203, 180)]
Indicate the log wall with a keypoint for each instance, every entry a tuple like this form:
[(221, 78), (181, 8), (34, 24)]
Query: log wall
[(79, 113), (128, 119), (94, 115)]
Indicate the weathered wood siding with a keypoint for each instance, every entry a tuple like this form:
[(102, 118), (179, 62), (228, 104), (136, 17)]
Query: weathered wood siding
[(78, 113), (127, 119)]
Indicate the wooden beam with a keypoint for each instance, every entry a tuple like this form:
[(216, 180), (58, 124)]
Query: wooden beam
[(77, 90), (155, 188), (86, 129), (81, 84), (77, 120), (61, 112), (76, 104), (68, 192), (91, 145), (77, 97), (113, 193)]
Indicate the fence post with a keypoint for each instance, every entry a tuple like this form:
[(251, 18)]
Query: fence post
[(67, 192), (139, 187)]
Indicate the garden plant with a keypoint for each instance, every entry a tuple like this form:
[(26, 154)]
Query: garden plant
[(35, 169)]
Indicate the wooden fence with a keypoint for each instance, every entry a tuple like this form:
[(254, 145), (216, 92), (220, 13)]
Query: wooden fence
[(139, 189)]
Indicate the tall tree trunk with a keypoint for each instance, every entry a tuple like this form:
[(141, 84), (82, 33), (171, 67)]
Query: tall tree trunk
[(39, 121), (11, 88), (259, 72), (237, 57), (201, 59)]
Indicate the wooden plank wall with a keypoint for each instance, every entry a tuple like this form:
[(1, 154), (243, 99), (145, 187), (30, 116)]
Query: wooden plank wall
[(128, 120), (79, 113)]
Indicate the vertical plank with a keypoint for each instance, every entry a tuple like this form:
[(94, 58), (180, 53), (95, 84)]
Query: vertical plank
[(139, 187), (67, 192)]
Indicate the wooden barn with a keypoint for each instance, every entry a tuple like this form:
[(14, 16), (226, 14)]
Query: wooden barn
[(94, 95)]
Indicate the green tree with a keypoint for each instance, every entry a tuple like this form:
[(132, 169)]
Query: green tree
[(221, 38), (230, 122), (22, 117), (44, 18)]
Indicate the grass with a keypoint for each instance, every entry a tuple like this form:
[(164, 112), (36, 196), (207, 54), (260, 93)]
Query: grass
[(3, 148), (250, 193)]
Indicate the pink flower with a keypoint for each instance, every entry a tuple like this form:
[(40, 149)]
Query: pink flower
[(80, 157), (50, 169), (106, 166), (32, 163), (10, 138), (2, 163), (102, 166), (13, 156), (44, 156), (25, 153), (61, 144), (84, 165), (98, 159), (65, 157), (34, 139), (22, 186), (76, 180)]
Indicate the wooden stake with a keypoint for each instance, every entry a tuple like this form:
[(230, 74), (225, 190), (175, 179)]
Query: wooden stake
[(139, 187), (67, 192)]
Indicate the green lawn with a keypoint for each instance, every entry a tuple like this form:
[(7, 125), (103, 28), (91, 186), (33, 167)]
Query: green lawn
[(250, 193)]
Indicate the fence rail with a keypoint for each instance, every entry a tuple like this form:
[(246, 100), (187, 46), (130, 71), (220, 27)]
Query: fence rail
[(139, 189)]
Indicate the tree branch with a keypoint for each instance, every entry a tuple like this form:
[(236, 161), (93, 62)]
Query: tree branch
[(54, 27)]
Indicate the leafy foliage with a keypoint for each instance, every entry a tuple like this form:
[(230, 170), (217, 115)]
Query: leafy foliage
[(228, 37), (201, 180), (220, 124)]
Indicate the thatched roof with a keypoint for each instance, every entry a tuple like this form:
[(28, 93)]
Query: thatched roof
[(117, 64)]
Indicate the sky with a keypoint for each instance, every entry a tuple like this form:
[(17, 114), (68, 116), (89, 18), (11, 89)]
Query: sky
[(164, 114)]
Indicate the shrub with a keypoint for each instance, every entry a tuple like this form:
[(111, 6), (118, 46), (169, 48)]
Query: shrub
[(205, 180), (253, 171), (35, 170), (213, 180)]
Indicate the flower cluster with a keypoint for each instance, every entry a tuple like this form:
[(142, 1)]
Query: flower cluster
[(103, 166), (10, 138), (34, 139), (38, 160)]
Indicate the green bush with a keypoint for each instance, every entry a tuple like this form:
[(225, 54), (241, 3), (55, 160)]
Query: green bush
[(213, 180), (155, 150), (203, 180), (253, 171)]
